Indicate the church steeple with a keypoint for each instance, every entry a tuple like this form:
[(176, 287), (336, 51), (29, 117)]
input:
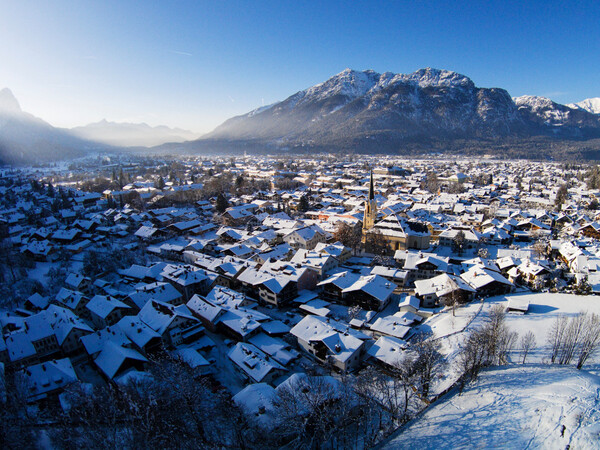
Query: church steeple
[(370, 207)]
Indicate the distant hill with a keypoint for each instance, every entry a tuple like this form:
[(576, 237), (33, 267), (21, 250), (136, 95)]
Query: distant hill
[(131, 134), (369, 112), (25, 138)]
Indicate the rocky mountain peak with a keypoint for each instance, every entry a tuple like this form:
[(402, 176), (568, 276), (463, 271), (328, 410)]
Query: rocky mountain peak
[(8, 102)]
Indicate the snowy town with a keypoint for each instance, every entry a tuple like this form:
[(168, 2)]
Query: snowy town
[(307, 294)]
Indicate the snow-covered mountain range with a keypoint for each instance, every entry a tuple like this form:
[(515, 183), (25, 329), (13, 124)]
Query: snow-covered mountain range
[(363, 110)]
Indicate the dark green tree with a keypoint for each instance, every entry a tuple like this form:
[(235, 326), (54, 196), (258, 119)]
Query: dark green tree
[(303, 204), (221, 204)]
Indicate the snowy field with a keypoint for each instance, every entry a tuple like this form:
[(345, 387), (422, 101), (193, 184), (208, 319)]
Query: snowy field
[(543, 311), (518, 406), (544, 308)]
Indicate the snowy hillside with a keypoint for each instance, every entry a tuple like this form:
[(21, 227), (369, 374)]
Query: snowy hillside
[(516, 407)]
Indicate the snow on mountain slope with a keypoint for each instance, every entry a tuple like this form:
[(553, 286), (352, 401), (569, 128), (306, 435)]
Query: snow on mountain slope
[(349, 83), (558, 118), (543, 107), (591, 105), (521, 406)]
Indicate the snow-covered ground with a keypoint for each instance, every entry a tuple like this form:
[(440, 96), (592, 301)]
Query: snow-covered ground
[(448, 323), (451, 331), (519, 406), (543, 311)]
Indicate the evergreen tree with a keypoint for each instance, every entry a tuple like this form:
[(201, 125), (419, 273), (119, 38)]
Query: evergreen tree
[(221, 204), (303, 205)]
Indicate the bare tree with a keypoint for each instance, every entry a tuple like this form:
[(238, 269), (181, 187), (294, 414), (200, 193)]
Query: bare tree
[(527, 344), (404, 379), (17, 424), (311, 410), (175, 408), (428, 360), (486, 346), (431, 182), (590, 338), (473, 356), (561, 196), (506, 341), (374, 417), (376, 242), (578, 337), (555, 336), (348, 235), (353, 312), (454, 298), (483, 253), (540, 248), (571, 338)]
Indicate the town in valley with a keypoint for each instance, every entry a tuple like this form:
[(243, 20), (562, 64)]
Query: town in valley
[(281, 300)]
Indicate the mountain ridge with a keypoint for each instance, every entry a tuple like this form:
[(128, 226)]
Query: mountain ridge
[(352, 107)]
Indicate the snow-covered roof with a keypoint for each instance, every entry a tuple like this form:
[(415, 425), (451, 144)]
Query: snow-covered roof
[(257, 401), (441, 285), (137, 331), (112, 356), (49, 376), (317, 307), (253, 361), (388, 350), (94, 342), (191, 357), (479, 277), (102, 305), (341, 345), (392, 326), (275, 347), (374, 285)]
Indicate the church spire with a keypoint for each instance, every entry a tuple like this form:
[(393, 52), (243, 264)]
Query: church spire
[(370, 207)]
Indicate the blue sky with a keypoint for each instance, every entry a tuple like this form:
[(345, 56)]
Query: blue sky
[(194, 64)]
